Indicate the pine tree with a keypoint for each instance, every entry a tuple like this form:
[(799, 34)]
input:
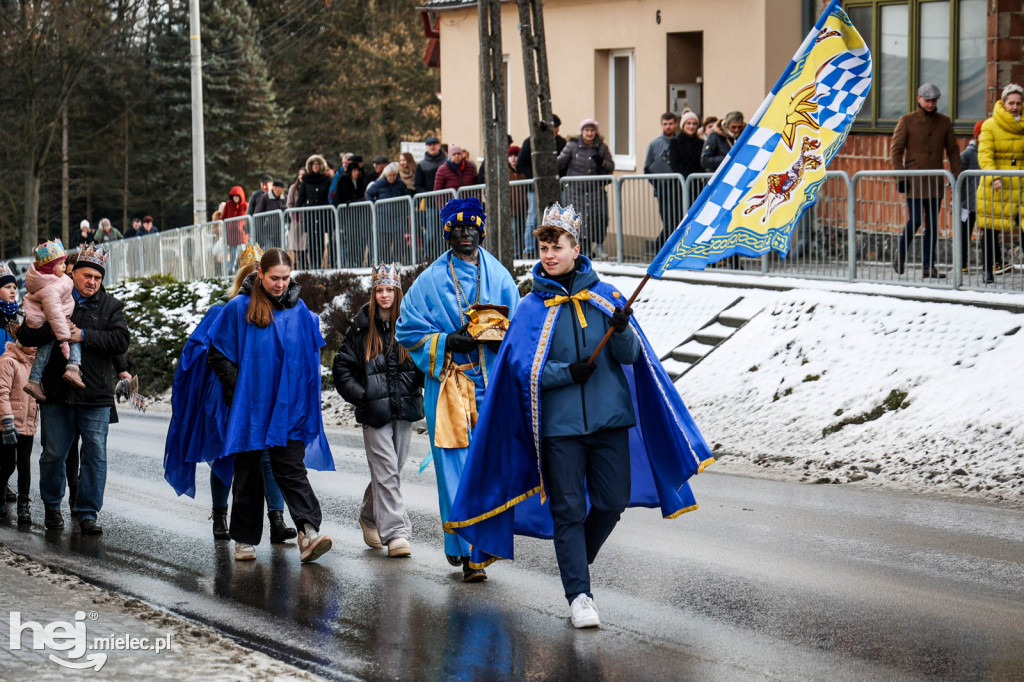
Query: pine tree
[(243, 123)]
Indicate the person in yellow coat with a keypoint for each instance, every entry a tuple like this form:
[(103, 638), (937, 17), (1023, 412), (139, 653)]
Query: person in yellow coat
[(1001, 147)]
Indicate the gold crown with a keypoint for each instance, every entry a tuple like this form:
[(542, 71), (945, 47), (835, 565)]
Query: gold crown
[(49, 251), (252, 253)]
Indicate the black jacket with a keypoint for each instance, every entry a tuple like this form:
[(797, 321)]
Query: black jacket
[(426, 169), (267, 202), (524, 163), (382, 389), (716, 148), (684, 154), (349, 190), (314, 189), (106, 335)]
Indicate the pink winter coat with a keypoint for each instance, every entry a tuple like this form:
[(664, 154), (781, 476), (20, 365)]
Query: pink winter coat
[(49, 299), (15, 365)]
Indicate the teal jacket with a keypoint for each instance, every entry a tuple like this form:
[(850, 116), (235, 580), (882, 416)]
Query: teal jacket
[(604, 402)]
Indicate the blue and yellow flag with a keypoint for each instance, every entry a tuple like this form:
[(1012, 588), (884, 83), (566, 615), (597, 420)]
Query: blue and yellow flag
[(773, 172)]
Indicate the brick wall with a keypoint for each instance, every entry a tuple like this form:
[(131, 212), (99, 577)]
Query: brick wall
[(1005, 49)]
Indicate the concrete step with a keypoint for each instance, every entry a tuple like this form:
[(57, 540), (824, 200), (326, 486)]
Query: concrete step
[(691, 351), (675, 368), (714, 334)]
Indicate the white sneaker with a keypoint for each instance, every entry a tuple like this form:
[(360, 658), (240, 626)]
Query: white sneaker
[(399, 547), (370, 536), (312, 545), (244, 552), (584, 612)]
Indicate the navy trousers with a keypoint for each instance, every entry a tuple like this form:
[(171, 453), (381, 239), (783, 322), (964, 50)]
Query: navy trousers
[(575, 467)]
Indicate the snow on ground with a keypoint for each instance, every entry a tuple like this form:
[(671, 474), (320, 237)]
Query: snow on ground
[(829, 387)]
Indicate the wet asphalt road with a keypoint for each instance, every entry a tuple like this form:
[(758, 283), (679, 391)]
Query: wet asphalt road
[(767, 580)]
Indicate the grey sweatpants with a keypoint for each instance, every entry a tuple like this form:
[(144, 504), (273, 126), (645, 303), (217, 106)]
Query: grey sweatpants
[(383, 507)]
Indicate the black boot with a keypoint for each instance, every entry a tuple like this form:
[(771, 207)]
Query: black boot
[(72, 498), (220, 524), (279, 532), (9, 495), (24, 511), (54, 520)]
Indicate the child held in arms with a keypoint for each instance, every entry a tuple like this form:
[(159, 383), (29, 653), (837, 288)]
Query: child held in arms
[(50, 299)]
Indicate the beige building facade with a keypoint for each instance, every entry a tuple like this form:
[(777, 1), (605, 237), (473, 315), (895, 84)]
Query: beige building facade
[(622, 62)]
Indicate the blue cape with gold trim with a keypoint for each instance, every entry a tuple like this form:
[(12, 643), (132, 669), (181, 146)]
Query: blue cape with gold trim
[(501, 492)]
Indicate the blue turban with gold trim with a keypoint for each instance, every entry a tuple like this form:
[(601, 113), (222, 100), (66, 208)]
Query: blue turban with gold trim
[(469, 211)]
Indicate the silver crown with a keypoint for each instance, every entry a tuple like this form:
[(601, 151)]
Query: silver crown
[(387, 274), (564, 218), (96, 255)]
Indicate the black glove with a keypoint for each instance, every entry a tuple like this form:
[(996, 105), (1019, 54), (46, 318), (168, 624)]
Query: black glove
[(494, 345), (460, 343), (10, 436), (901, 186), (598, 162), (581, 371), (620, 319)]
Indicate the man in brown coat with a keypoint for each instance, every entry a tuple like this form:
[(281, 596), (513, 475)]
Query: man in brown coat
[(918, 143)]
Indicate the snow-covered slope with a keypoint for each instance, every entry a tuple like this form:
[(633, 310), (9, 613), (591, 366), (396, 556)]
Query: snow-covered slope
[(834, 387)]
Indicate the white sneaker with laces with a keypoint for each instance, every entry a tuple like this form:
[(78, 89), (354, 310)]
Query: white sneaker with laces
[(584, 612), (244, 552)]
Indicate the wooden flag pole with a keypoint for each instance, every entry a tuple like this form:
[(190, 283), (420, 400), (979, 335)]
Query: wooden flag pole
[(608, 334)]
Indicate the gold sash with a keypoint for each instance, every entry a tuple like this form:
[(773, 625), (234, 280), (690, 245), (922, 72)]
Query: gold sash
[(575, 298), (456, 407)]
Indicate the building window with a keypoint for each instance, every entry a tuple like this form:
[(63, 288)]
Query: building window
[(919, 41), (622, 109)]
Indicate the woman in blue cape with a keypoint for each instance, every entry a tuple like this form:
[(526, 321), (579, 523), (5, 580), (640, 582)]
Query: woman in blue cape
[(265, 350), (199, 415), (435, 327), (583, 439)]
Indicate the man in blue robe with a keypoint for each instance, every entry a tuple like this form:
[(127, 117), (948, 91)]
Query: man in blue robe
[(434, 326), (590, 437)]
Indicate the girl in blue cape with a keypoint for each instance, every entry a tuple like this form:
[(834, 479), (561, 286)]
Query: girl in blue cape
[(265, 350), (199, 415), (587, 439), (433, 326)]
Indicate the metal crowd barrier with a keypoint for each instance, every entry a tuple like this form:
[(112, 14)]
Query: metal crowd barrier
[(357, 237), (600, 238), (393, 220), (988, 218), (430, 233), (312, 236), (652, 206), (852, 233)]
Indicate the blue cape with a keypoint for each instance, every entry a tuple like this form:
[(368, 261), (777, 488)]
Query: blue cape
[(498, 494), (197, 399), (199, 415), (278, 393)]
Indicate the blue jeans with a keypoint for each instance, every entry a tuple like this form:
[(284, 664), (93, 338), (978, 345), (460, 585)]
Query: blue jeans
[(219, 490), (575, 467), (43, 356), (929, 207), (529, 241), (59, 423)]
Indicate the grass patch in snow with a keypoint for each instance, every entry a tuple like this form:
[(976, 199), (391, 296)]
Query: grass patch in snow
[(896, 400)]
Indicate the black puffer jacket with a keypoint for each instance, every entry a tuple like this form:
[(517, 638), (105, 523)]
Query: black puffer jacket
[(382, 389), (716, 148)]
